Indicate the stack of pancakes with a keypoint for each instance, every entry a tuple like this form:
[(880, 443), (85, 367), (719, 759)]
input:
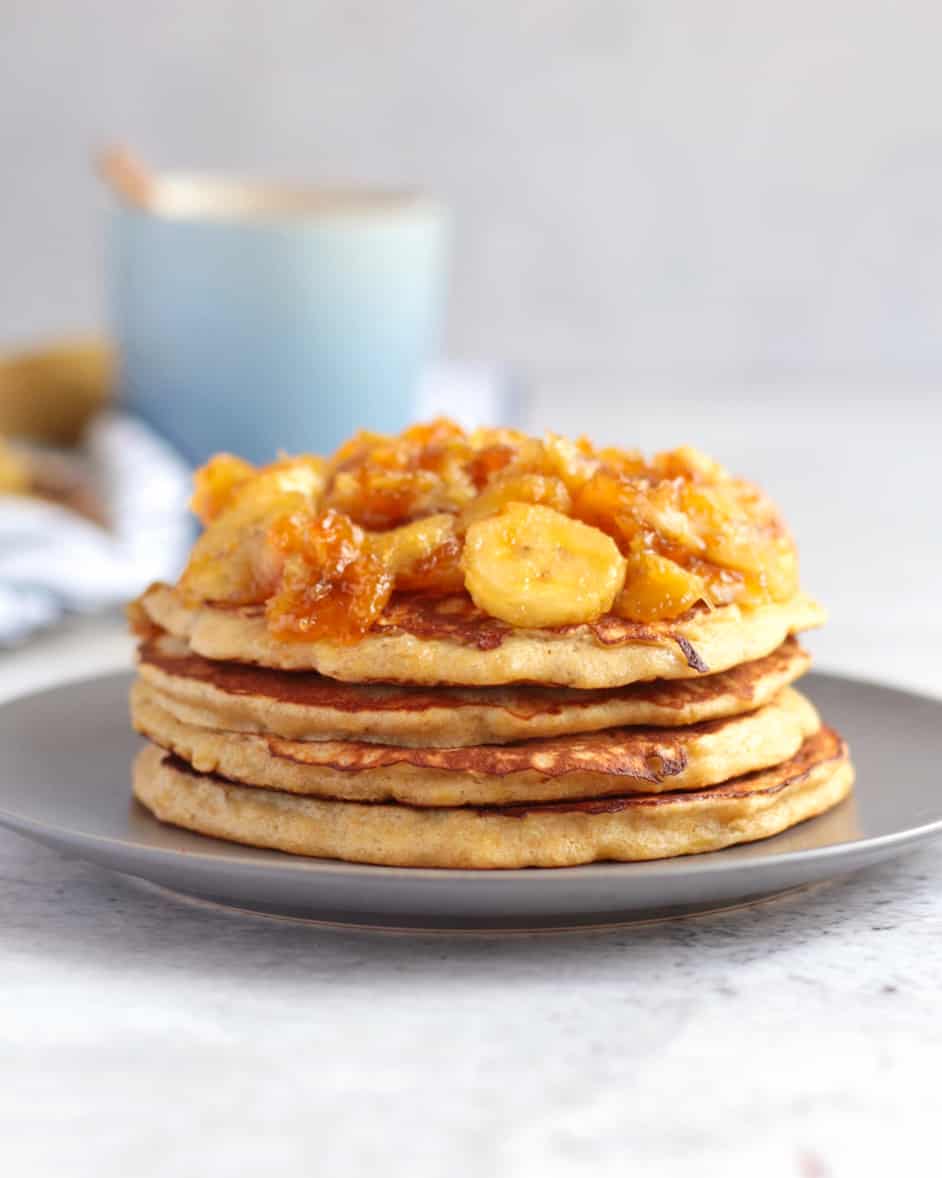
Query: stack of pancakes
[(446, 738)]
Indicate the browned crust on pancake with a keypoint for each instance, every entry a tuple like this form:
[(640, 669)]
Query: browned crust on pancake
[(609, 653), (643, 754), (640, 755), (609, 762), (500, 837), (694, 661), (819, 749), (305, 706), (457, 619), (309, 689)]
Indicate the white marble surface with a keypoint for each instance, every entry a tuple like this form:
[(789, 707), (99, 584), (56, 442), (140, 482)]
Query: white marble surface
[(141, 1035)]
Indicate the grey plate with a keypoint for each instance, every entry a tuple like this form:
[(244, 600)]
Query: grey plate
[(64, 780)]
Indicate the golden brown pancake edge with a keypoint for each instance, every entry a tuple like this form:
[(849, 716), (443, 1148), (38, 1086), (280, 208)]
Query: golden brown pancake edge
[(630, 828)]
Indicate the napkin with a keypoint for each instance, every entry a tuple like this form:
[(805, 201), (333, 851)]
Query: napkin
[(54, 562)]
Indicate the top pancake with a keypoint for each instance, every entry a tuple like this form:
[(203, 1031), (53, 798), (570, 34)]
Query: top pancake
[(447, 641), (297, 706)]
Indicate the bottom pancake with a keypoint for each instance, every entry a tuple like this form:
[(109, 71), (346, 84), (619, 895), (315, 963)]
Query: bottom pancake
[(555, 834)]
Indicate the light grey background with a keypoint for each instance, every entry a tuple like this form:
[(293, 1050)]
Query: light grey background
[(657, 195)]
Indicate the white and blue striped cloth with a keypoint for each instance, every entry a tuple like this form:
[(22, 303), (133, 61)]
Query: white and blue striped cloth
[(54, 562)]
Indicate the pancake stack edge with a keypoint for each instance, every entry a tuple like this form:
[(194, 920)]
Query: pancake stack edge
[(503, 775)]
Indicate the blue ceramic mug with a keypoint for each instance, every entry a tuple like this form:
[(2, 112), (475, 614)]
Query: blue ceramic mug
[(258, 320)]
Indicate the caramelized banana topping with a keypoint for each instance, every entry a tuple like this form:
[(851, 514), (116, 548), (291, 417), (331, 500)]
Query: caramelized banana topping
[(539, 532)]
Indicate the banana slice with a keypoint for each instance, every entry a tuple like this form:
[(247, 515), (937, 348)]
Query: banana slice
[(532, 566), (402, 549), (546, 490)]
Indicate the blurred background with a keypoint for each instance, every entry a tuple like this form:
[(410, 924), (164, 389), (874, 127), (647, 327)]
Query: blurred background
[(651, 194), (674, 221)]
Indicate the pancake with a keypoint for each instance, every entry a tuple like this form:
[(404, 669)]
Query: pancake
[(592, 765), (629, 827), (307, 706), (447, 641)]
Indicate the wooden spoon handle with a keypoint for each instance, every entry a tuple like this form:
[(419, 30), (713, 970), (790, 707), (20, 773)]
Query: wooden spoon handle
[(128, 177)]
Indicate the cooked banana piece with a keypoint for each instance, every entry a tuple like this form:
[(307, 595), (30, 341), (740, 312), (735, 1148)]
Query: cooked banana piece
[(401, 549), (532, 566)]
